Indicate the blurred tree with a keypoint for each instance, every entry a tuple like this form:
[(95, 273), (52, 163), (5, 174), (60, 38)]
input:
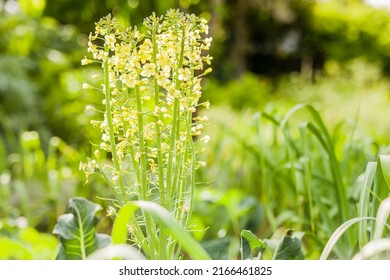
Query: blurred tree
[(349, 29), (36, 54), (84, 14), (42, 43)]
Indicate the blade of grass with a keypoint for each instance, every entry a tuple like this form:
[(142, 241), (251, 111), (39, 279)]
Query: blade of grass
[(161, 216), (363, 211), (385, 167), (338, 233), (372, 248), (381, 218), (320, 131), (380, 188)]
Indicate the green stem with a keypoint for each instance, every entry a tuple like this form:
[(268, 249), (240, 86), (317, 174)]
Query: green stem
[(192, 154), (140, 237), (134, 162), (177, 174), (138, 233), (160, 162), (190, 146), (141, 143), (143, 168), (110, 185), (175, 125), (123, 197), (172, 150)]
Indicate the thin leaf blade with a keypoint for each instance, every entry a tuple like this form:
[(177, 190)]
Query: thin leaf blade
[(161, 216)]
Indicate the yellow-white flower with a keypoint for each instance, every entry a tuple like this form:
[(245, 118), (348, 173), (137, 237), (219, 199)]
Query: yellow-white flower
[(150, 93), (184, 74), (86, 61), (148, 70)]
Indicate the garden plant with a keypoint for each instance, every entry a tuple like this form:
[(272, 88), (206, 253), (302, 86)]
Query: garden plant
[(169, 178), (151, 90)]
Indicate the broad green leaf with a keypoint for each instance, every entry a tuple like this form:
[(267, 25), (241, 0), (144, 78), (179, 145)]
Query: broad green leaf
[(161, 216), (249, 242), (218, 249), (77, 230), (290, 248)]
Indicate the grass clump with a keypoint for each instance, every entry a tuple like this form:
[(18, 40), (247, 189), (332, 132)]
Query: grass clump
[(303, 175)]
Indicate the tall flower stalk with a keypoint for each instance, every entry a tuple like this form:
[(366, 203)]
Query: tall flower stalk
[(152, 87)]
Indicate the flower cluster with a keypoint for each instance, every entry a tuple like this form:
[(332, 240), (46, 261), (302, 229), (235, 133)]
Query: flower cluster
[(152, 87)]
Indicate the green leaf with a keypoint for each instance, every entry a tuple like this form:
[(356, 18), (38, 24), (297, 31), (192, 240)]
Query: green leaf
[(161, 216), (13, 250), (338, 233), (374, 249), (384, 161), (26, 244), (250, 242), (364, 203), (290, 248), (77, 230), (381, 218), (218, 249)]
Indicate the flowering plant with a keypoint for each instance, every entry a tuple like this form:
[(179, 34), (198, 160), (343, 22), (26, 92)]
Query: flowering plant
[(152, 87)]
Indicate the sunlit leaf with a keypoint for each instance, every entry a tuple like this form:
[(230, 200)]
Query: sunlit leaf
[(13, 250), (249, 242), (77, 230)]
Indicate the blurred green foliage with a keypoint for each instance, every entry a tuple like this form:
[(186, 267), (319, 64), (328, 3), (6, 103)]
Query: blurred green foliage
[(268, 56), (360, 32), (274, 170), (20, 242), (37, 185), (44, 41)]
